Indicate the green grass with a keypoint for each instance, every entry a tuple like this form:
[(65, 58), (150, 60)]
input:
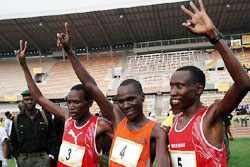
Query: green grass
[(240, 152), (11, 163)]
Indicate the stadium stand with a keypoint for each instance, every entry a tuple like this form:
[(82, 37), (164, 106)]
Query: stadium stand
[(152, 47), (60, 74), (12, 79), (152, 70)]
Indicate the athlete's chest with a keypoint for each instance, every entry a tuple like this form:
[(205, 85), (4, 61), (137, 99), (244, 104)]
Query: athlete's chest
[(81, 136), (181, 137)]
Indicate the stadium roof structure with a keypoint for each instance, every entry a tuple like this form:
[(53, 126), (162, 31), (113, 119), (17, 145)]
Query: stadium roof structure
[(120, 26), (28, 8)]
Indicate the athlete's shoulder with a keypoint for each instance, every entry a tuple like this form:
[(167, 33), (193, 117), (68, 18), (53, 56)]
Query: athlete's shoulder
[(157, 130), (103, 123)]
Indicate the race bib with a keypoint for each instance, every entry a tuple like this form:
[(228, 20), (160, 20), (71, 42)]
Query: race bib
[(126, 152), (183, 158), (71, 154)]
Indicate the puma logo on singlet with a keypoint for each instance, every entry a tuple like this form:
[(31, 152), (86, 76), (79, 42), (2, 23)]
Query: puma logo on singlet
[(72, 133)]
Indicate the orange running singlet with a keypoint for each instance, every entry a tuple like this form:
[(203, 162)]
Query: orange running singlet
[(131, 148)]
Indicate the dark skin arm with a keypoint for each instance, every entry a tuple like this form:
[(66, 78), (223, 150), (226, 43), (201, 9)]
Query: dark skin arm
[(5, 146), (199, 23), (162, 157), (112, 112), (34, 90), (107, 109), (103, 128)]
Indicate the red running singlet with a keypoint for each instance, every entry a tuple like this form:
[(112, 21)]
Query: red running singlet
[(189, 147), (78, 147)]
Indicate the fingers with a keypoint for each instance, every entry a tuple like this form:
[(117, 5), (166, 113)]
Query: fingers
[(201, 5), (63, 38), (67, 31), (192, 29), (185, 10), (189, 25), (25, 46), (21, 44), (17, 52), (186, 24), (195, 9), (59, 39)]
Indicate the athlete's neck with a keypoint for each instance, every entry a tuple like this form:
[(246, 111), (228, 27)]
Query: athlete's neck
[(83, 119), (192, 110), (137, 123)]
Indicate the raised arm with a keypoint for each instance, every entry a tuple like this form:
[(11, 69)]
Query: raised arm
[(199, 23), (64, 41), (34, 90)]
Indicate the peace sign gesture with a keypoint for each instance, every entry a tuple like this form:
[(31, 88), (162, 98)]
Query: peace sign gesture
[(20, 53), (64, 39)]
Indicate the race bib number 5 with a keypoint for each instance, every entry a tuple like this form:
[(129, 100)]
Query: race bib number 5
[(126, 152), (183, 158), (71, 154)]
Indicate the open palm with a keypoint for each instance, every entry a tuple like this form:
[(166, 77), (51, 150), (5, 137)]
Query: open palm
[(199, 22)]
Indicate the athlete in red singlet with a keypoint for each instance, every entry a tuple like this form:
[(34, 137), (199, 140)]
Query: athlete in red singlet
[(82, 130), (78, 145), (196, 138), (129, 104), (190, 147)]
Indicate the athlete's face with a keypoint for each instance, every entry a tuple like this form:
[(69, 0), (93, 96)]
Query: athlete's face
[(77, 104), (183, 92), (29, 103), (130, 101)]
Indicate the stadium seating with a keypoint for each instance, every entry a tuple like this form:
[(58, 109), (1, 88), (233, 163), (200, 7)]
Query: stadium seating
[(61, 76), (152, 70), (12, 78)]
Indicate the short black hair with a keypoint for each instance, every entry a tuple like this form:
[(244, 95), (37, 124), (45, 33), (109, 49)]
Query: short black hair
[(87, 94), (198, 75), (7, 113), (135, 83)]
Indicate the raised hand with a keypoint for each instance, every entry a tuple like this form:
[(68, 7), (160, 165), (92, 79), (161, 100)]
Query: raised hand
[(64, 39), (199, 22), (20, 53)]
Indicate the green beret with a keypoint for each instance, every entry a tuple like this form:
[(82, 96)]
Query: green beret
[(25, 93)]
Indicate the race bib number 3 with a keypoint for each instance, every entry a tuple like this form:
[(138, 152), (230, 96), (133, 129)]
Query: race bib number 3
[(183, 158), (126, 152), (71, 154)]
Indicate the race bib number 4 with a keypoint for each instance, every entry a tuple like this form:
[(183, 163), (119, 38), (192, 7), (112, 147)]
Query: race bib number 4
[(126, 152), (183, 158), (71, 154)]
